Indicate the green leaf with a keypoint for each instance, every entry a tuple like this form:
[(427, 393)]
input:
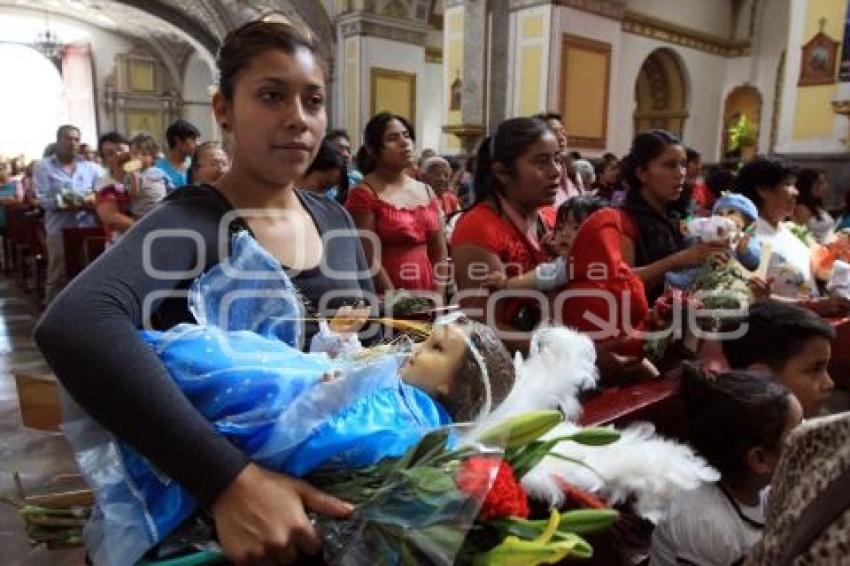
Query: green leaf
[(430, 480), (595, 436), (432, 444)]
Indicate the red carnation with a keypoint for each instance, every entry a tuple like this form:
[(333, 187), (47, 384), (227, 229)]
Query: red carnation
[(505, 498)]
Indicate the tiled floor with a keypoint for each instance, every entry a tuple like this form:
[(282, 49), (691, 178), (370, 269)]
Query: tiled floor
[(39, 457)]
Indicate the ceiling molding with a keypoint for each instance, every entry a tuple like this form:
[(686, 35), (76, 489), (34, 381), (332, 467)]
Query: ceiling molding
[(653, 28), (179, 19), (613, 9), (365, 24)]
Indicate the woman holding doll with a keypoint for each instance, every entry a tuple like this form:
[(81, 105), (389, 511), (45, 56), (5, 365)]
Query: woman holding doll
[(271, 100)]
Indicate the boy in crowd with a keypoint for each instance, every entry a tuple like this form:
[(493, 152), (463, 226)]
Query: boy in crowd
[(794, 344), (182, 137)]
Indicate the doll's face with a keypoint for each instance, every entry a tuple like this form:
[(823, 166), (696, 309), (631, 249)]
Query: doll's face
[(433, 363), (733, 215)]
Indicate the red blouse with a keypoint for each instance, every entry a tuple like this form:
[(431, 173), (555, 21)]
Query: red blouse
[(403, 233), (597, 266), (484, 227)]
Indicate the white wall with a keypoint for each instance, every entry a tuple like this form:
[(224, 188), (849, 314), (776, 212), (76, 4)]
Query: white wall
[(705, 75), (709, 16), (197, 109), (397, 56), (582, 24), (21, 25)]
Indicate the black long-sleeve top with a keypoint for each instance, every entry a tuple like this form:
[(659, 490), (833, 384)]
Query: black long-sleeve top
[(89, 334)]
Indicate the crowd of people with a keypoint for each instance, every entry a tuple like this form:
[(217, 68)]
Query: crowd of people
[(502, 235)]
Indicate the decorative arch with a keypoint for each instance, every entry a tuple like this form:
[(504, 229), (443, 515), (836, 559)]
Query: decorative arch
[(661, 93), (743, 100)]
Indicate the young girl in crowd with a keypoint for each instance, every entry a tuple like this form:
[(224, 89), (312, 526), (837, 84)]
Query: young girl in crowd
[(148, 184), (209, 163), (812, 186), (739, 421), (402, 212), (553, 275)]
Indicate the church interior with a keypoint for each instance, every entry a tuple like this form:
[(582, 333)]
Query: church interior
[(733, 81)]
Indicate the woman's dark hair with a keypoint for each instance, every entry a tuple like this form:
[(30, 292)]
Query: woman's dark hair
[(454, 164), (645, 147), (691, 154), (507, 144), (546, 116), (467, 395), (578, 208), (732, 413), (718, 180), (251, 40), (196, 160), (338, 133), (806, 181), (110, 137), (601, 165), (329, 158), (761, 173), (373, 139)]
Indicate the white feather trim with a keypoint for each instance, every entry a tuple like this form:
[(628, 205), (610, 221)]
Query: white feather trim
[(653, 469), (561, 362)]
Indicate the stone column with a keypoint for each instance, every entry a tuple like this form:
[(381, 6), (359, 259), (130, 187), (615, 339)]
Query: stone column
[(474, 88), (499, 55)]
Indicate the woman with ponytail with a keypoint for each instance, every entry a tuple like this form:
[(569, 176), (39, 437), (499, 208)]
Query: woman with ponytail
[(518, 171), (403, 213), (738, 422)]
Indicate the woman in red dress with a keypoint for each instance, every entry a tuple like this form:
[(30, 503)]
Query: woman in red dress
[(402, 212), (606, 297), (518, 171)]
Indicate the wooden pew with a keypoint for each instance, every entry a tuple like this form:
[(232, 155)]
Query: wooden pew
[(82, 246)]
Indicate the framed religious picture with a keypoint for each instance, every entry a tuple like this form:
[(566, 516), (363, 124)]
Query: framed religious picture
[(143, 120), (141, 75), (817, 66)]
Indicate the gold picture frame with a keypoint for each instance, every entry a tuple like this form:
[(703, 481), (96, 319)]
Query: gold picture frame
[(818, 61), (393, 91), (141, 75), (585, 67), (143, 120)]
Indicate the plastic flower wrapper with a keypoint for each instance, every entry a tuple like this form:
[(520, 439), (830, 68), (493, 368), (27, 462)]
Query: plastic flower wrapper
[(449, 501)]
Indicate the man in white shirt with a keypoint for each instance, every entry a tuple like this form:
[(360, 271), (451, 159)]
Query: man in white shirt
[(64, 184)]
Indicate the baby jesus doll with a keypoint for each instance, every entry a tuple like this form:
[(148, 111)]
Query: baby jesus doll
[(290, 411), (733, 217)]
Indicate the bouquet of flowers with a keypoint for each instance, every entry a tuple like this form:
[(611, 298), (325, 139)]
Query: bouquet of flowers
[(455, 500)]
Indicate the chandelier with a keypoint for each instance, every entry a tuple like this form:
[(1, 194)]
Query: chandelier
[(47, 42)]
